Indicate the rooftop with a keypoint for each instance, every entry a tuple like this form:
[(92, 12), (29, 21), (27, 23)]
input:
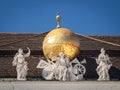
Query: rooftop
[(13, 41)]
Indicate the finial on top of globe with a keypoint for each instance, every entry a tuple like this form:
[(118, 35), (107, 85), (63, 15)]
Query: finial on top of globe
[(61, 40), (58, 17)]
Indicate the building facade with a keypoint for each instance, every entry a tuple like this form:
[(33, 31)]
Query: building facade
[(89, 49)]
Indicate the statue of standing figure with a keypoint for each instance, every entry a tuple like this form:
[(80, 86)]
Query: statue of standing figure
[(21, 64), (104, 65), (63, 64)]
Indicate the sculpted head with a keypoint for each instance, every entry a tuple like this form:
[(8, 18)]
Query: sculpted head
[(61, 54), (20, 51), (102, 50)]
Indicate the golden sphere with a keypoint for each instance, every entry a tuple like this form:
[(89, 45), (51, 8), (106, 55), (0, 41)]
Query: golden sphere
[(61, 40)]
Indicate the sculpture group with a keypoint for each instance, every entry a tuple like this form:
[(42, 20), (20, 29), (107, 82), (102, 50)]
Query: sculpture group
[(61, 68)]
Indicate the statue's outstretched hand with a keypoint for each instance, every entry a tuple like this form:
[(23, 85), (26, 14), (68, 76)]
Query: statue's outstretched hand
[(28, 53), (28, 48)]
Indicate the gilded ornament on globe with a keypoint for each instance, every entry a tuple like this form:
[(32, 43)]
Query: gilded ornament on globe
[(61, 40)]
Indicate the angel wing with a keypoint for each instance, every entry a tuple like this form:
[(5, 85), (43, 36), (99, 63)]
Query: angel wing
[(42, 64)]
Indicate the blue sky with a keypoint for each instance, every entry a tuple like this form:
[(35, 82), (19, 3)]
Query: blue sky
[(92, 17)]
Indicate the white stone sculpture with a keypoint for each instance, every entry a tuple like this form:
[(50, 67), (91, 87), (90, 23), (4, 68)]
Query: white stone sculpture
[(60, 68), (21, 64), (104, 65), (63, 64), (78, 70)]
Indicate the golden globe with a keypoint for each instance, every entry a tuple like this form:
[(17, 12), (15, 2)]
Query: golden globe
[(61, 40)]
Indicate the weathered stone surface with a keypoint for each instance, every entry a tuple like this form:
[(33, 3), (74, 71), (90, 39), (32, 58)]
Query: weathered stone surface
[(56, 85)]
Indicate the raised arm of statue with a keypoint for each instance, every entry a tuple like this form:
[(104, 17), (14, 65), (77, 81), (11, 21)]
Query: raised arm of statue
[(28, 53)]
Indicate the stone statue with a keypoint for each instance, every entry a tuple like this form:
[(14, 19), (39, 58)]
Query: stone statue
[(60, 68), (63, 64), (104, 65), (49, 68), (21, 64), (78, 70)]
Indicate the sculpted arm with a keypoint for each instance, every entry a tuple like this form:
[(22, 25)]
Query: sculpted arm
[(14, 63), (108, 59), (28, 53), (108, 62), (98, 59)]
